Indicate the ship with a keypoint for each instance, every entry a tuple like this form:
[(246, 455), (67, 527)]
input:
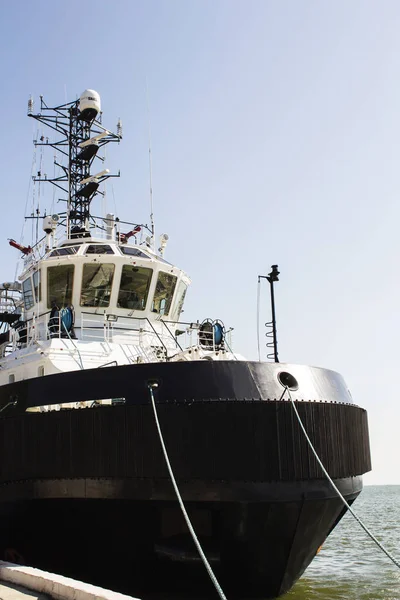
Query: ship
[(91, 331)]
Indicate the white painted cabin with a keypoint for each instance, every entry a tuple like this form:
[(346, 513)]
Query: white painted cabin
[(95, 302)]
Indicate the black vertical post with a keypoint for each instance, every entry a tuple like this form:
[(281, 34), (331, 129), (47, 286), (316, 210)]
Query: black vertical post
[(272, 277)]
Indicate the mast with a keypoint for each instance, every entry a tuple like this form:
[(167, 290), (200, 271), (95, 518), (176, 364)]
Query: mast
[(81, 136)]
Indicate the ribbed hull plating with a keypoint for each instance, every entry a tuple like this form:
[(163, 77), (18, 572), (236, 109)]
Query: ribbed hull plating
[(81, 489)]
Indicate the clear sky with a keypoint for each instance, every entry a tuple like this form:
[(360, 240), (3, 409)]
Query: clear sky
[(275, 139)]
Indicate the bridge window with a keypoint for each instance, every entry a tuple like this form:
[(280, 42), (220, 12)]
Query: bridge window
[(133, 252), (37, 286), (180, 298), (164, 293), (96, 284), (59, 285), (27, 290), (99, 249), (134, 287), (64, 251)]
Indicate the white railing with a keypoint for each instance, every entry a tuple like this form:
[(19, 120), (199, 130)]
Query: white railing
[(157, 339), (137, 331)]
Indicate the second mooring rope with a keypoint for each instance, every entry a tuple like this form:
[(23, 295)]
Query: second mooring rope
[(347, 505)]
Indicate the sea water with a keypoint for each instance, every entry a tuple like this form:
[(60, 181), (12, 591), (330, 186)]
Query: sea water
[(350, 566)]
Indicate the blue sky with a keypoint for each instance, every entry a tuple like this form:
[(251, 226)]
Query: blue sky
[(275, 139)]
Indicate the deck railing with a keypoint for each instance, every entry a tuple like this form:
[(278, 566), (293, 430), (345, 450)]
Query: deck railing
[(158, 337)]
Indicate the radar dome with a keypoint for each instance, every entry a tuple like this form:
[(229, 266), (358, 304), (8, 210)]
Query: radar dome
[(89, 105)]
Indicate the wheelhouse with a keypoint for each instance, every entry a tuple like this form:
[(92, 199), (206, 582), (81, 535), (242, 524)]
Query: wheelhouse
[(104, 279)]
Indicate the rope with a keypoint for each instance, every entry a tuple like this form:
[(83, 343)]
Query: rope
[(347, 505), (207, 565)]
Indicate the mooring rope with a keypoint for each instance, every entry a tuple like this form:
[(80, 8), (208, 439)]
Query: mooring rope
[(151, 386), (347, 505)]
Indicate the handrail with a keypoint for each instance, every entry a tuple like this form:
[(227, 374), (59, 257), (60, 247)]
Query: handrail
[(137, 330), (61, 322), (172, 336), (110, 325), (162, 343), (38, 316), (147, 320)]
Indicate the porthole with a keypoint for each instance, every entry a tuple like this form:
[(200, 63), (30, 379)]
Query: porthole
[(288, 380)]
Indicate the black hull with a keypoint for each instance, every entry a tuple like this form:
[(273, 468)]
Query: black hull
[(87, 493)]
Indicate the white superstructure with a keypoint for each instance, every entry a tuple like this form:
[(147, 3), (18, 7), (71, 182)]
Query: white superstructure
[(100, 296), (95, 302)]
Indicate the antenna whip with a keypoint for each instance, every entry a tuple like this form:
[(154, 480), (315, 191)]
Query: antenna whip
[(150, 164)]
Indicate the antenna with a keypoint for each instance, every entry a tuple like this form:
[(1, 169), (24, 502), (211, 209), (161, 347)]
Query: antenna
[(119, 128), (30, 105), (82, 135), (150, 165)]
